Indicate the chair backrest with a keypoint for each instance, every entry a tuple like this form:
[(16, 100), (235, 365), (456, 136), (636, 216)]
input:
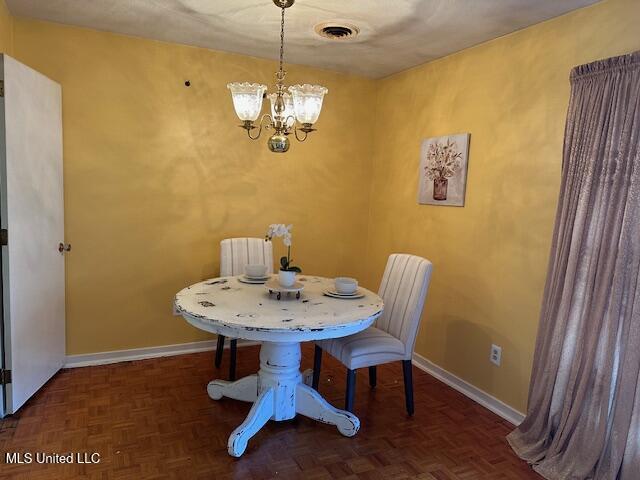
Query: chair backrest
[(235, 253), (404, 288)]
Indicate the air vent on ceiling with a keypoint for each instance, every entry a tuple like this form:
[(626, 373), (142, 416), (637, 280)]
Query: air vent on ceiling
[(337, 31)]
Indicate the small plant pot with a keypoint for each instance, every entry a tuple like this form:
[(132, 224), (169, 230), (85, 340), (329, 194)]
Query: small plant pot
[(440, 189), (286, 279)]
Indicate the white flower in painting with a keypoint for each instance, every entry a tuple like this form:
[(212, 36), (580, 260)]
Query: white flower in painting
[(443, 160)]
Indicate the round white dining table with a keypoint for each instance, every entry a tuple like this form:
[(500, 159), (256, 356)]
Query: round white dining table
[(278, 391)]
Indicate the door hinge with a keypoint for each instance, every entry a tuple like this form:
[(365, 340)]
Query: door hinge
[(1, 88), (4, 237), (5, 376)]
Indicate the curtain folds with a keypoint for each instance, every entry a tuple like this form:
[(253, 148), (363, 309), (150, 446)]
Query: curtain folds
[(583, 420)]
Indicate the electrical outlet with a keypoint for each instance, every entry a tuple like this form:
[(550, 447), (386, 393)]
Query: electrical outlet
[(496, 354)]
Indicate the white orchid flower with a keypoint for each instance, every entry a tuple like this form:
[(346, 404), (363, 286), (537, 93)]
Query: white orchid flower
[(284, 231), (279, 230)]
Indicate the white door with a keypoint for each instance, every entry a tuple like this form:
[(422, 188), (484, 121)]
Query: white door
[(32, 213)]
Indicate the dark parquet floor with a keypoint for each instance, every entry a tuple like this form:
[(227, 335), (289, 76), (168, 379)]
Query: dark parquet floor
[(152, 419)]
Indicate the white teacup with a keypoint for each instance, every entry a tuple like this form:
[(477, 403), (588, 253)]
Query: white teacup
[(346, 285), (255, 270)]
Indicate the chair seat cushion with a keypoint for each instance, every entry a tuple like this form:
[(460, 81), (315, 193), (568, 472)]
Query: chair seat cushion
[(364, 349)]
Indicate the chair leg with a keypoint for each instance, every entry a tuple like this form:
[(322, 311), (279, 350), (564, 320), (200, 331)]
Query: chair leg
[(351, 390), (219, 350), (373, 376), (317, 363), (408, 385), (232, 362)]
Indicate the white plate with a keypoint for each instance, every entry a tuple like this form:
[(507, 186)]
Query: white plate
[(334, 294), (266, 277), (252, 281)]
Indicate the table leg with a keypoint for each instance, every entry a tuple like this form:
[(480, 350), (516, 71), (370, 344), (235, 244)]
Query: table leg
[(245, 389), (259, 414), (311, 404)]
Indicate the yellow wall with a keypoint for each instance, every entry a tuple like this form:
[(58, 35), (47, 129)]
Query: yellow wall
[(490, 257), (156, 174), (6, 29)]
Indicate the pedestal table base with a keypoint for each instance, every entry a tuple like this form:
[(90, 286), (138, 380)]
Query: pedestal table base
[(278, 393)]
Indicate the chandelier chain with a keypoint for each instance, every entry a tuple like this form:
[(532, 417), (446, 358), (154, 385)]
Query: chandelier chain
[(281, 44)]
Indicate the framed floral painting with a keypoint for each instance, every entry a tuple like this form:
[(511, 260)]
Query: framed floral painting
[(443, 170)]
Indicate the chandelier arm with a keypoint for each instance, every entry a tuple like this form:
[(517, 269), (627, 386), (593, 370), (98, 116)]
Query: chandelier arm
[(268, 119), (291, 125), (257, 136), (306, 134)]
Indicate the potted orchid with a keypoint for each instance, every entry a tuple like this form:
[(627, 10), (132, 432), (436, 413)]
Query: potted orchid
[(287, 273)]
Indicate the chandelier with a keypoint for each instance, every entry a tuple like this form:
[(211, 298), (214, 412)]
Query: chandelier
[(294, 111)]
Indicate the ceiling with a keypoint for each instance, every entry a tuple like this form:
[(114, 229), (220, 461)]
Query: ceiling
[(394, 34)]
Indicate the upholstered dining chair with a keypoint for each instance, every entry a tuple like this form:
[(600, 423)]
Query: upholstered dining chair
[(235, 253), (392, 338)]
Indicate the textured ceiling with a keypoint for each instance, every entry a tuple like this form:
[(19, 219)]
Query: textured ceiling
[(394, 34)]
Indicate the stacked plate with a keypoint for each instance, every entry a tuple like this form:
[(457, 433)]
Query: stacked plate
[(244, 278), (331, 292)]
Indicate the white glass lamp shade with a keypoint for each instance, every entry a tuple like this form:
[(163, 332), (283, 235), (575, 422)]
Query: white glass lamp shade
[(247, 99), (307, 101), (289, 113)]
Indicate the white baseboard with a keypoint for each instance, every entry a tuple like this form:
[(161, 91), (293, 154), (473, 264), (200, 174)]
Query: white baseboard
[(490, 402), (104, 358)]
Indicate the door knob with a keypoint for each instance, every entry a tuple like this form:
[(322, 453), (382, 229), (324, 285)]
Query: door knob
[(64, 247)]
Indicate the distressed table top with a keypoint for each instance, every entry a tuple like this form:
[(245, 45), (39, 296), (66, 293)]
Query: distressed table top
[(227, 306)]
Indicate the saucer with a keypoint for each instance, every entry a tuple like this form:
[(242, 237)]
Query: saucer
[(252, 280), (333, 294)]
